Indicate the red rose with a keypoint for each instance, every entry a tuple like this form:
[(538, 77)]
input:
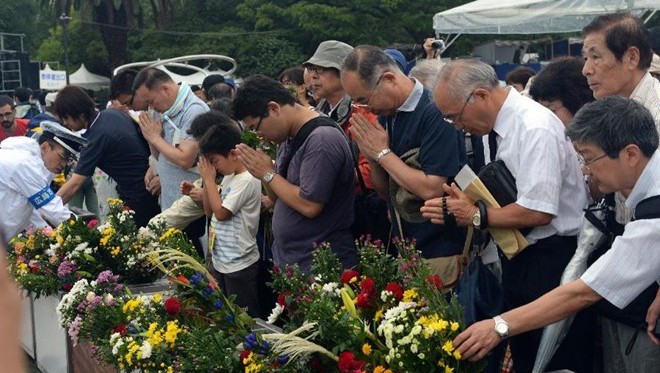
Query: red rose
[(281, 299), (347, 363), (395, 289), (244, 356), (121, 329), (348, 276), (67, 287), (92, 223), (368, 286), (362, 300), (172, 306), (435, 280)]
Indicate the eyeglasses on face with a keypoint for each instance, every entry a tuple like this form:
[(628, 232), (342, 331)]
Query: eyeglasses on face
[(316, 70), (454, 119), (373, 93), (586, 164), (8, 114)]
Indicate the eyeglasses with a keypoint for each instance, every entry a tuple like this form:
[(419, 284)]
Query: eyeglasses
[(256, 129), (453, 119), (8, 114), (317, 70), (374, 91), (587, 164)]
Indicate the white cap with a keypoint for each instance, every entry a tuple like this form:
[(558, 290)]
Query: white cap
[(70, 140)]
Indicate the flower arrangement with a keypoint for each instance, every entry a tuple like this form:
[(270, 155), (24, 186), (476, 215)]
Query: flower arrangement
[(253, 140), (194, 329), (44, 261), (387, 315)]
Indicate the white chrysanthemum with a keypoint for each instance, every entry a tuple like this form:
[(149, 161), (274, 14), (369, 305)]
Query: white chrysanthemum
[(275, 313), (117, 346), (113, 338), (145, 349)]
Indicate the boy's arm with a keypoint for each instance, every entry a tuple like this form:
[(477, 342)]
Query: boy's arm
[(212, 198)]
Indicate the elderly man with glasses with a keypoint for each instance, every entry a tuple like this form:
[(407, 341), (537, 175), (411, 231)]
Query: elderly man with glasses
[(529, 139), (412, 153), (11, 126)]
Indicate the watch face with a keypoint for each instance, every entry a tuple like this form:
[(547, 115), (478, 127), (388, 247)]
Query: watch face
[(501, 328)]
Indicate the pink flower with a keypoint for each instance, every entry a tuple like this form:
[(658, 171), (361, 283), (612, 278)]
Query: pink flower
[(93, 224)]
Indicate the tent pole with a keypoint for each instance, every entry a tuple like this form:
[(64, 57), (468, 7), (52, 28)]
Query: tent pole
[(650, 15)]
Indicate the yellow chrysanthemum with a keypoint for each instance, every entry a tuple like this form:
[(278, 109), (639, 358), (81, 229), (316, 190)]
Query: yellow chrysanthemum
[(157, 297), (454, 326), (448, 347), (379, 369), (457, 355), (378, 315), (172, 332), (410, 295), (366, 349)]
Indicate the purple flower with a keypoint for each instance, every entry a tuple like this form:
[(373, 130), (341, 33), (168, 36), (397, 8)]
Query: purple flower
[(106, 276), (208, 291), (74, 329), (218, 304), (65, 268)]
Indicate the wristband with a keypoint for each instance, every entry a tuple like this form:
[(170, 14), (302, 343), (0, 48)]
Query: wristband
[(481, 205), (382, 153)]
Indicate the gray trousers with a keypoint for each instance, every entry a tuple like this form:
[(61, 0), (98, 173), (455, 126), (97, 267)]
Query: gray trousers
[(643, 358)]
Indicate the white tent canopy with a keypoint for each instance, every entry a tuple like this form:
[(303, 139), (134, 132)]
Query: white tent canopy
[(531, 16), (87, 80)]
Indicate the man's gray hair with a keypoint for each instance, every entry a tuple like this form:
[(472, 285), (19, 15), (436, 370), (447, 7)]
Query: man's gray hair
[(613, 123), (461, 77), (369, 62), (426, 71)]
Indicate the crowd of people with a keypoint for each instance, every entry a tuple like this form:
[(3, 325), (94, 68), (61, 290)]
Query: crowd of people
[(368, 144)]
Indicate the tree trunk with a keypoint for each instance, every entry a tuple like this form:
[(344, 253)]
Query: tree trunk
[(114, 31)]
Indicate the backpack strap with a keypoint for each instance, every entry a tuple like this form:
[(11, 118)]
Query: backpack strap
[(648, 209), (300, 138)]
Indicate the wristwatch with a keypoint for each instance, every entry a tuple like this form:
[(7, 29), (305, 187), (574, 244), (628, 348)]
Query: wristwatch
[(501, 327), (476, 219), (268, 177), (382, 153)]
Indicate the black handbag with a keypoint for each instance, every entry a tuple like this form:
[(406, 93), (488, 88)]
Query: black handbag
[(501, 184), (499, 181)]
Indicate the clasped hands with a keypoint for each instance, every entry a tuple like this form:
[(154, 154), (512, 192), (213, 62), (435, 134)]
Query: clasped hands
[(371, 139), (256, 162), (455, 203)]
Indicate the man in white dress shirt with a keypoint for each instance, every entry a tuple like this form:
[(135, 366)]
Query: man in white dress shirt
[(551, 195), (618, 139)]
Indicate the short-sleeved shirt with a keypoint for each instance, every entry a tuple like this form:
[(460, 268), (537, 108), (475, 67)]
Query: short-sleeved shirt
[(235, 244), (419, 124), (323, 168), (633, 262), (116, 146), (176, 129), (21, 126)]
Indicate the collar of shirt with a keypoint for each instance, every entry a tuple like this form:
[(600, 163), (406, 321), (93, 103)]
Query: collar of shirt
[(413, 98), (503, 121), (643, 87), (648, 183)]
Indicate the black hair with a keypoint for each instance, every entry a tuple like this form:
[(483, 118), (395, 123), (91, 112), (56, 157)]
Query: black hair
[(6, 100), (622, 30), (562, 80), (212, 80), (195, 88), (203, 122), (520, 75), (221, 137), (253, 96), (369, 62), (219, 90), (295, 75), (613, 123), (122, 83), (23, 94), (150, 77), (73, 102)]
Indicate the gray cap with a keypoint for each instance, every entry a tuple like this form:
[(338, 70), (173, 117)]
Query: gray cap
[(71, 141), (330, 53)]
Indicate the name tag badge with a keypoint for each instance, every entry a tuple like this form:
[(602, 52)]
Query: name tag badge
[(41, 198)]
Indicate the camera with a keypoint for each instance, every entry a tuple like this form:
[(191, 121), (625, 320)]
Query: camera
[(438, 44)]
